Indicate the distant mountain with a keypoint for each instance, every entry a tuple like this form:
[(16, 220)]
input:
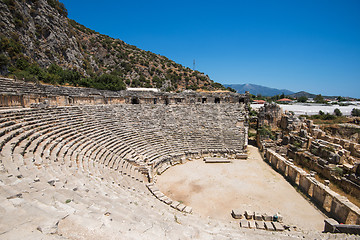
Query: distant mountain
[(258, 89)]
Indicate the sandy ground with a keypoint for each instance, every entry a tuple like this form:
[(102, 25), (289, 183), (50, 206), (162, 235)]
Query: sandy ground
[(213, 190)]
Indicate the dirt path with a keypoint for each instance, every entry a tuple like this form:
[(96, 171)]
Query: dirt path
[(215, 189)]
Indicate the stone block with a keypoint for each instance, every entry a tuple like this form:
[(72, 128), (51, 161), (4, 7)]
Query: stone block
[(249, 214), (174, 204), (187, 209), (257, 216), (278, 226), (330, 225), (339, 210), (237, 214), (259, 224), (252, 224), (319, 194), (167, 200), (158, 194), (269, 226), (293, 174), (244, 223), (267, 217), (346, 228), (282, 167), (274, 162), (180, 207), (216, 160), (241, 156), (304, 183)]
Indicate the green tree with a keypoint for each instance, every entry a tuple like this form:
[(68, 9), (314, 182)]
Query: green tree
[(337, 112), (55, 69), (328, 116), (355, 112), (4, 61), (302, 99), (319, 99), (22, 63), (341, 99), (110, 82), (231, 89)]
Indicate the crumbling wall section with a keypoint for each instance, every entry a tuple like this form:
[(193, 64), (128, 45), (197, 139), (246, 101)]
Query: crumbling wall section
[(337, 206)]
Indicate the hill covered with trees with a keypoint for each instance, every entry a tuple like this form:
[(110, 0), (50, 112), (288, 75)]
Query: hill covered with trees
[(39, 43)]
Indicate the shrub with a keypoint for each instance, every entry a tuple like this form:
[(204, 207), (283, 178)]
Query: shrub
[(302, 99), (22, 63), (337, 112), (231, 89), (25, 75), (355, 112), (266, 131), (10, 45), (4, 61), (9, 3), (253, 113), (339, 171), (319, 99), (250, 134), (51, 78), (109, 82), (60, 7), (328, 116)]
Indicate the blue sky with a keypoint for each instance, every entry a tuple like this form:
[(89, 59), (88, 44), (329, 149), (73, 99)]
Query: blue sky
[(310, 45)]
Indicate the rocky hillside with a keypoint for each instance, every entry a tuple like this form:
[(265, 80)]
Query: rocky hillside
[(39, 43)]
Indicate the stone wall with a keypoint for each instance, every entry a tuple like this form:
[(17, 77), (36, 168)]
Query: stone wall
[(335, 205), (269, 115), (23, 94)]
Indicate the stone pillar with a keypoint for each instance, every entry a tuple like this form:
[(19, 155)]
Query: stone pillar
[(338, 210), (353, 216), (282, 166), (293, 174), (319, 194), (305, 183), (274, 162)]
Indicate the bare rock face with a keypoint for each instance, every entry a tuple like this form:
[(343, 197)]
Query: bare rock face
[(46, 35)]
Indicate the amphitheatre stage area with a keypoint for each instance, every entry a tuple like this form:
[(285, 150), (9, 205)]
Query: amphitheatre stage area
[(214, 190)]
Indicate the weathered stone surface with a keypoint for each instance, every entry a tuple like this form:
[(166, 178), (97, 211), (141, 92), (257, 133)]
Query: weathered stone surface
[(257, 216), (330, 225), (249, 214), (237, 214), (187, 209), (216, 160), (252, 224), (244, 223), (241, 156), (278, 226), (174, 204), (269, 226), (180, 207), (260, 225), (267, 217)]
